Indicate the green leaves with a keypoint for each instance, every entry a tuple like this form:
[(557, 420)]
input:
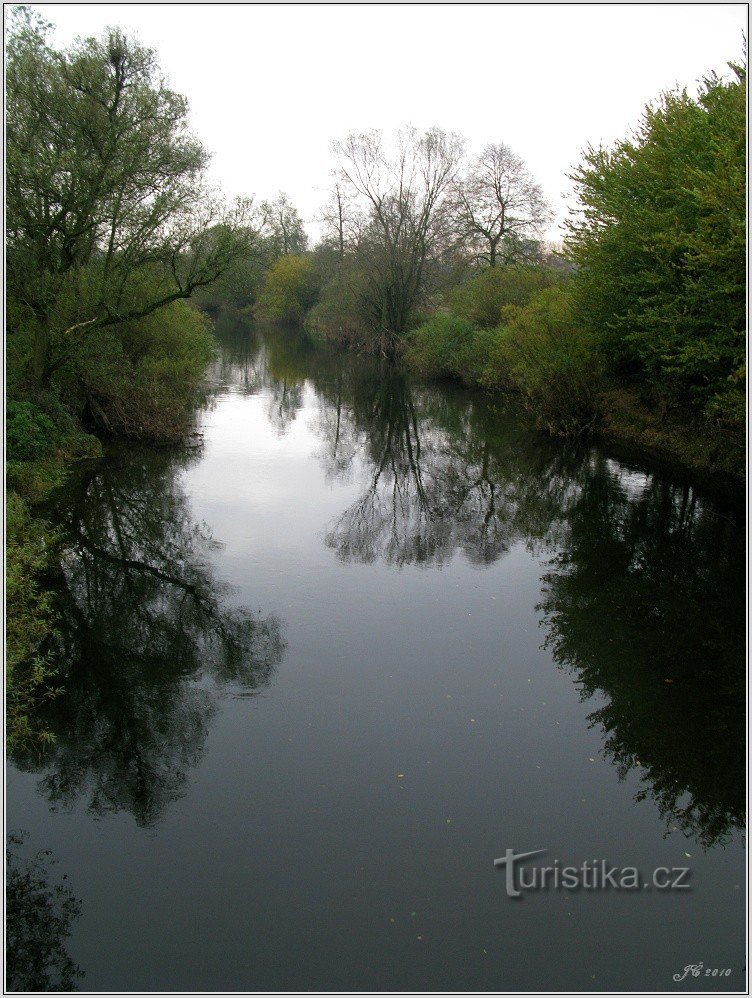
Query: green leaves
[(660, 243)]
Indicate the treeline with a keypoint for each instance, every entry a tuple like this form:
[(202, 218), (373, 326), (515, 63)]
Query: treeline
[(111, 227), (635, 327), (428, 257)]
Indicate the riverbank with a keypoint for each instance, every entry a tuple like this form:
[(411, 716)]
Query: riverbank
[(296, 640), (143, 382)]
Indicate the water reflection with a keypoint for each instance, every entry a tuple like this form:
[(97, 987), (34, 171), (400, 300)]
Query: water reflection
[(643, 604), (145, 634), (40, 912), (642, 583), (644, 579)]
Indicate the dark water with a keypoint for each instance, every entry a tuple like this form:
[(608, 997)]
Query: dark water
[(324, 666)]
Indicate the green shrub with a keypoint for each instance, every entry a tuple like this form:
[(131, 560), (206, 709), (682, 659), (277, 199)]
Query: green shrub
[(545, 355), (29, 622), (661, 246), (483, 299), (30, 434), (142, 380), (289, 290), (446, 346), (339, 313)]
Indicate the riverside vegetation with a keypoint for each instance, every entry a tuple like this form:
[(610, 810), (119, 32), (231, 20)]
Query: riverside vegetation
[(634, 328)]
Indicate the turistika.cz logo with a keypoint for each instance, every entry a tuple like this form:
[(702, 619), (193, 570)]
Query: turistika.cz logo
[(592, 875)]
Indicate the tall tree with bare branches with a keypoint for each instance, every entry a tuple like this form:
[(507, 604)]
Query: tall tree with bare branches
[(497, 206), (401, 192)]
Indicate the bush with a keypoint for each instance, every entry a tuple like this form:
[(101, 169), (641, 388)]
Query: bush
[(30, 434), (661, 246), (339, 314), (446, 346), (29, 621), (142, 380), (290, 289), (483, 299), (546, 356)]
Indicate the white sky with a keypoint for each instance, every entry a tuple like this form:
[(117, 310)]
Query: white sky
[(270, 86)]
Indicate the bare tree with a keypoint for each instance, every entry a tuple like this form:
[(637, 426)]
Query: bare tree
[(401, 194), (283, 225), (334, 216), (498, 205)]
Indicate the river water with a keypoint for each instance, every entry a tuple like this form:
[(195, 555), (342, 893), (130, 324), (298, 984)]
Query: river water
[(328, 661)]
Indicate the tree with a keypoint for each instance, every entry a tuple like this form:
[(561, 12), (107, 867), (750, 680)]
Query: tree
[(660, 242), (108, 214), (401, 195), (497, 207), (289, 289), (282, 226)]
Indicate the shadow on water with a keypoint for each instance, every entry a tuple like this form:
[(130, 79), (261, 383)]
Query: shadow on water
[(642, 580), (145, 635), (40, 912), (641, 600)]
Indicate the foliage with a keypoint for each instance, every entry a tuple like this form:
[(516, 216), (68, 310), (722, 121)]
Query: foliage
[(543, 352), (105, 184), (289, 289), (446, 346), (142, 379), (29, 622), (660, 243), (282, 227), (39, 913), (484, 297), (30, 434), (340, 314)]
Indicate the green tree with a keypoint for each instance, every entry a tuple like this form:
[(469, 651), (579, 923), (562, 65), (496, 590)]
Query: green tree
[(660, 242), (108, 214), (289, 289)]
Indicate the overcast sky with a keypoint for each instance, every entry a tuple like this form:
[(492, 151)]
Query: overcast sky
[(271, 86)]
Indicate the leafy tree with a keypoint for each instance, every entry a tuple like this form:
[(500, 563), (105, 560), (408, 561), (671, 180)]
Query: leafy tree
[(108, 214), (289, 289), (483, 298), (660, 240)]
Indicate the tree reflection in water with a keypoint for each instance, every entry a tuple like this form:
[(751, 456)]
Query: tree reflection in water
[(145, 634), (39, 913), (642, 590), (642, 596)]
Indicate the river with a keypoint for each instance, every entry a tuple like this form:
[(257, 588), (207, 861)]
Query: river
[(330, 659)]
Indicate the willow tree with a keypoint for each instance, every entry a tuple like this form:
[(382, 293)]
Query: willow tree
[(400, 194), (108, 213)]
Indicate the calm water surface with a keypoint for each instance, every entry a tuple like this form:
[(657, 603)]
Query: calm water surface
[(326, 663)]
